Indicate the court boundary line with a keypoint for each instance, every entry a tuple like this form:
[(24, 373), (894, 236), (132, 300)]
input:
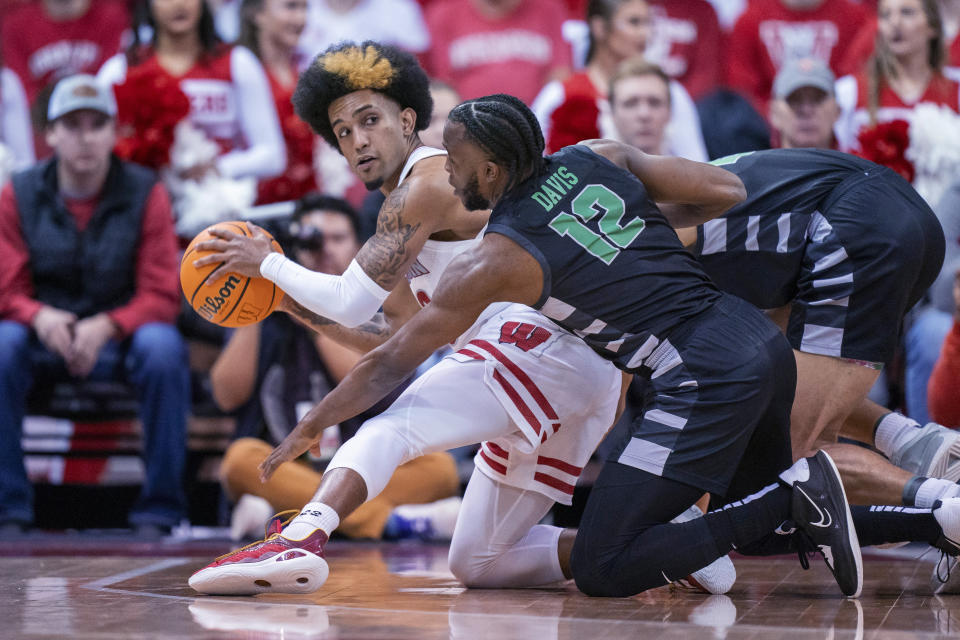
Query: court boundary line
[(101, 585)]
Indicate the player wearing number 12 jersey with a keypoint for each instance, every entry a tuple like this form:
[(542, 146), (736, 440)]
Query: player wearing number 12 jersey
[(580, 238)]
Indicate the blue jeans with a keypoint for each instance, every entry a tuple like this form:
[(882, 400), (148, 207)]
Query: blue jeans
[(154, 361), (922, 345)]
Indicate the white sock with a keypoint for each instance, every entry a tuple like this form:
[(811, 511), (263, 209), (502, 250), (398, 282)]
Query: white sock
[(934, 489), (894, 431), (315, 515)]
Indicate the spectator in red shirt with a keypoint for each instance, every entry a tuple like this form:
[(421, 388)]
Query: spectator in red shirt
[(7, 5), (906, 69), (48, 40), (88, 289), (577, 108), (862, 47), (935, 332), (770, 32), (230, 99), (271, 30), (943, 398), (687, 43), (481, 47)]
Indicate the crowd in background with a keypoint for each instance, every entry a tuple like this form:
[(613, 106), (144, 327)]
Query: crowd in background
[(202, 95)]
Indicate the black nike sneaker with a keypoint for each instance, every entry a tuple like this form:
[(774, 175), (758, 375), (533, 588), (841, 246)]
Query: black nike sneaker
[(946, 573), (821, 512)]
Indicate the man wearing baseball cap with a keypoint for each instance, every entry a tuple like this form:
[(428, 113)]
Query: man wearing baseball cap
[(803, 108), (88, 290)]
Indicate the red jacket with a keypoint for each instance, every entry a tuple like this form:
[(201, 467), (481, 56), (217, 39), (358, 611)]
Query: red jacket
[(157, 297)]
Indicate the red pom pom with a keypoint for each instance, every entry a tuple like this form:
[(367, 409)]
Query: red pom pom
[(575, 120), (886, 143), (150, 104)]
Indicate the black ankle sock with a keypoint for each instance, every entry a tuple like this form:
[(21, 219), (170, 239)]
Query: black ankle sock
[(880, 525), (741, 523)]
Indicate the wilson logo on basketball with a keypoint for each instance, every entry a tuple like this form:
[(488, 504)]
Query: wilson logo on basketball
[(234, 300), (211, 305)]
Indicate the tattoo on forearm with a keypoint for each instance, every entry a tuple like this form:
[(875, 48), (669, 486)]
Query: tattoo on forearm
[(386, 251), (309, 318), (377, 327)]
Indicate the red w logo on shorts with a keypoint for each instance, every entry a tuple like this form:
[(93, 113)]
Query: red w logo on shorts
[(524, 336)]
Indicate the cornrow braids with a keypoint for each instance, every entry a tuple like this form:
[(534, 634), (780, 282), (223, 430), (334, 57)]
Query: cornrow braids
[(505, 128), (348, 67)]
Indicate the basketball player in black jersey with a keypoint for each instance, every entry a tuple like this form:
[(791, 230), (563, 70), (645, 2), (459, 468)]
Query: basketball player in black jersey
[(561, 230), (848, 246)]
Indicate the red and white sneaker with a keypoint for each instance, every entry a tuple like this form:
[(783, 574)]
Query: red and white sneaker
[(273, 565)]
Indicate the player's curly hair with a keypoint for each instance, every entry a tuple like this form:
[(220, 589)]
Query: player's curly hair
[(507, 131), (348, 67)]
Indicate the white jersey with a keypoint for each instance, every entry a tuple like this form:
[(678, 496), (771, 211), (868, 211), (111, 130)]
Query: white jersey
[(436, 255), (532, 366)]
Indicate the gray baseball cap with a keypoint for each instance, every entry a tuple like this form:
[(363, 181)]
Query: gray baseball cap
[(803, 72), (81, 91)]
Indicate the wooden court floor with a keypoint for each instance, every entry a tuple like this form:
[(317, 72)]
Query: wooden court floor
[(108, 589)]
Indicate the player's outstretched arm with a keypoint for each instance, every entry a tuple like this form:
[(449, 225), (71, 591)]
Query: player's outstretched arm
[(496, 270), (397, 310), (688, 193)]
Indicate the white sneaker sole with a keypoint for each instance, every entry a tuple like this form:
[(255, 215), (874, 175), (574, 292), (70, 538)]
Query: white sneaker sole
[(293, 571), (852, 537), (718, 577)]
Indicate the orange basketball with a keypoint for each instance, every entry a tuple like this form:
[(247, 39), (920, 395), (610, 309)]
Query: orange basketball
[(232, 300)]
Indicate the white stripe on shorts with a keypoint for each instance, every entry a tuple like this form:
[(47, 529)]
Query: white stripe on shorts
[(645, 455), (594, 327), (824, 341), (783, 232), (645, 350), (714, 236), (826, 302), (664, 418), (753, 229), (831, 260), (829, 282)]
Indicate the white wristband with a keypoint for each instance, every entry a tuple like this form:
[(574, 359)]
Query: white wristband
[(350, 299)]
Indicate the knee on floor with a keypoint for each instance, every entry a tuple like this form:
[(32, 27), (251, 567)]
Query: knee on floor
[(473, 570), (592, 576), (597, 585)]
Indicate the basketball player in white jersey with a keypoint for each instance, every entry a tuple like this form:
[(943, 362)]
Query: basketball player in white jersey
[(536, 396)]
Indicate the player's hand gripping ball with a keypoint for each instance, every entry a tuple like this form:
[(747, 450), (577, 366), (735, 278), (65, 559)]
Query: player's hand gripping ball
[(232, 300)]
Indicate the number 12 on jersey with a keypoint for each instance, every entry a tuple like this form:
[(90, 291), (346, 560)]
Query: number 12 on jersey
[(592, 201)]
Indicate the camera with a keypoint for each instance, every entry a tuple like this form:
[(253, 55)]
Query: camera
[(306, 238)]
